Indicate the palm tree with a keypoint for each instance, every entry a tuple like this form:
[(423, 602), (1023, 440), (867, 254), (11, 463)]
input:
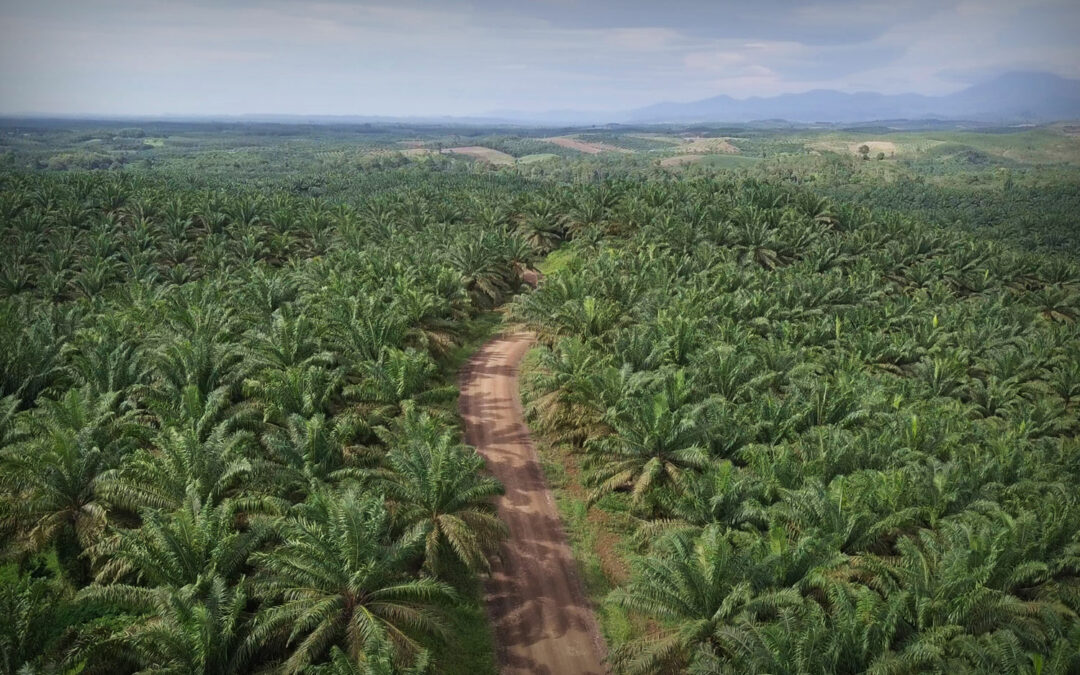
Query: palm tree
[(291, 341), (199, 629), (438, 493), (397, 379), (988, 576), (177, 548), (37, 613), (376, 660), (267, 290), (309, 453), (49, 481), (339, 579), (30, 348), (655, 440), (361, 328), (543, 227), (9, 433), (571, 402), (202, 360), (306, 390), (434, 310), (481, 274), (723, 494), (179, 464), (705, 588)]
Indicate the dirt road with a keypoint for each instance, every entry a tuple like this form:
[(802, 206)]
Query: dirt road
[(542, 620)]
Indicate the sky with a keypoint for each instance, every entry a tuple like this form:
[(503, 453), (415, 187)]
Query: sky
[(460, 58)]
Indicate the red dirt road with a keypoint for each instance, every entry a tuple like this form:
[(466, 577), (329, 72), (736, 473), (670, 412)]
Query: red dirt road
[(543, 622)]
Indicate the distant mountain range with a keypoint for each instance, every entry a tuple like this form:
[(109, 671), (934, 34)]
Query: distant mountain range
[(1011, 98)]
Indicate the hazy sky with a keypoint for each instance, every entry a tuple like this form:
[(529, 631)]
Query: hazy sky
[(406, 57)]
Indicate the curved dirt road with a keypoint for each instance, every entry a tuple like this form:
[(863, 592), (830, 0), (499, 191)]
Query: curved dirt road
[(542, 620)]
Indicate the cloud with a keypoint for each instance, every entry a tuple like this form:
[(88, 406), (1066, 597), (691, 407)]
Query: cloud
[(469, 56)]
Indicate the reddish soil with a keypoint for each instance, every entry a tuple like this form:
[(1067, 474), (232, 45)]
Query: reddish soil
[(531, 277), (702, 144), (535, 599), (485, 154), (583, 146)]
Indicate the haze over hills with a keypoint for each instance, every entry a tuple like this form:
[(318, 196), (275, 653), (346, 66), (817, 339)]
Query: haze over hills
[(1012, 98), (1020, 97)]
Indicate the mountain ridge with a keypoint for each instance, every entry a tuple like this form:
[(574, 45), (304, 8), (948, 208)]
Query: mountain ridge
[(1017, 97)]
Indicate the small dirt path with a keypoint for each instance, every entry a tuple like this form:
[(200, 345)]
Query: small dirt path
[(542, 620)]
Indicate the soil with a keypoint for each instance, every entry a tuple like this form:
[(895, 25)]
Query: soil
[(701, 144), (485, 154), (542, 620), (582, 146)]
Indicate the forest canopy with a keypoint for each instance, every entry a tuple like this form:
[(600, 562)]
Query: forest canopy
[(827, 408)]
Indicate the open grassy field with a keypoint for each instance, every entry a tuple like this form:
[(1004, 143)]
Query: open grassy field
[(538, 157), (1048, 145), (714, 161)]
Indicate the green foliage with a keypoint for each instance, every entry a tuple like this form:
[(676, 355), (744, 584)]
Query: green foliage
[(850, 441), (339, 578), (226, 366), (195, 397), (438, 494)]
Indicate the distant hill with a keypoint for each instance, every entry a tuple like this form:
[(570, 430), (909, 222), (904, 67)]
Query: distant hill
[(1011, 98), (1014, 97)]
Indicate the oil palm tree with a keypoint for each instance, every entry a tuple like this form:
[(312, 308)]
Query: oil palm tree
[(571, 401), (654, 442), (37, 614), (543, 227), (377, 659), (50, 480), (362, 328), (176, 548), (179, 464), (704, 588), (438, 493), (480, 272), (9, 433), (199, 629), (307, 454), (339, 579), (104, 359), (203, 360), (397, 379), (290, 341), (305, 390), (723, 494)]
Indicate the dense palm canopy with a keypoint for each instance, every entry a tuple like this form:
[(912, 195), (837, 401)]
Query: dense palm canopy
[(340, 578), (206, 460), (849, 441), (227, 438)]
